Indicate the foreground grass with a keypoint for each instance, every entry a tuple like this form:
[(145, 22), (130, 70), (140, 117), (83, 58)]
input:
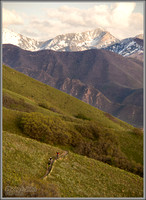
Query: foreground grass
[(79, 176), (24, 163)]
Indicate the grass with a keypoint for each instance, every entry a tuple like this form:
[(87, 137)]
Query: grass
[(38, 92), (131, 148), (79, 176), (24, 159), (10, 121), (24, 163), (53, 103)]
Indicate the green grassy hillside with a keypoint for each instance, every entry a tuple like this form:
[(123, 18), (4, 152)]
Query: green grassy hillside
[(39, 120), (33, 109), (35, 92), (24, 164)]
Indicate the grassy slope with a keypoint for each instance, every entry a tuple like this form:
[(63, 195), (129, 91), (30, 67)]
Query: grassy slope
[(24, 163), (39, 92), (102, 181), (18, 85), (71, 176)]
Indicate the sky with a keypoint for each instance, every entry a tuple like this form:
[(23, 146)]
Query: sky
[(45, 20)]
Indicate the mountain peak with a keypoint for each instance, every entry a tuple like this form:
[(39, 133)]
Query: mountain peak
[(140, 36), (96, 38), (128, 46), (11, 37)]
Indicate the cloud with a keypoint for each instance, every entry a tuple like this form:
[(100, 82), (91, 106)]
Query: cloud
[(118, 18), (121, 13), (11, 18), (47, 29)]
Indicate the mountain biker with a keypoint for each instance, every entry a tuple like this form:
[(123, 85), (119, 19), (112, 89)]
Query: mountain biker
[(49, 162), (57, 154)]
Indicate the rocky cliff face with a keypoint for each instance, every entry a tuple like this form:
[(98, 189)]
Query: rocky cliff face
[(86, 93)]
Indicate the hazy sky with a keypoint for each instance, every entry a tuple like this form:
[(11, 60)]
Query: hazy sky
[(44, 20)]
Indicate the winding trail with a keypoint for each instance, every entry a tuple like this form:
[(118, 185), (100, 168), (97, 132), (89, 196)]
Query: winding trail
[(52, 162)]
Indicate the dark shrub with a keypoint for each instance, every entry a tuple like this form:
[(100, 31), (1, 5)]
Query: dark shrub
[(44, 105), (138, 131), (17, 104), (82, 116), (54, 110), (89, 130)]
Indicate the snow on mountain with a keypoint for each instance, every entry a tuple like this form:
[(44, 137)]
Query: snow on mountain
[(10, 37), (97, 38), (94, 39), (127, 47)]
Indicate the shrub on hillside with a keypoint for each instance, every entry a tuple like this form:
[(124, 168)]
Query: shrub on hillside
[(84, 130), (44, 105), (123, 163), (87, 139), (103, 147), (82, 116), (18, 104), (89, 130), (35, 126), (44, 129), (105, 143), (138, 131)]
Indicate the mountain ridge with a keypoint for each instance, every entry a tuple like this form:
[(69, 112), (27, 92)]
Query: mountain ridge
[(96, 38), (128, 47), (89, 75)]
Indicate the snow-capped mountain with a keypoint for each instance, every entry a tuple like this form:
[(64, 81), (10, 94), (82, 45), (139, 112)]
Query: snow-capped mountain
[(127, 46), (94, 39), (10, 37), (97, 38)]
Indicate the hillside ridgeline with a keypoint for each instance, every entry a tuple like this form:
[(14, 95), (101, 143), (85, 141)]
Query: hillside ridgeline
[(98, 77)]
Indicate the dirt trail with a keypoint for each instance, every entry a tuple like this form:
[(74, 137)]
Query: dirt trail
[(52, 162)]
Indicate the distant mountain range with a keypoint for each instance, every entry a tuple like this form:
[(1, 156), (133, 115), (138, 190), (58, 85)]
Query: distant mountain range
[(128, 47), (94, 39), (99, 77)]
